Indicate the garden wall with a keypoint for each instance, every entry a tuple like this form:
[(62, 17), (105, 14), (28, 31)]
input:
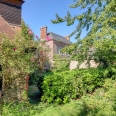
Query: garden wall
[(74, 64)]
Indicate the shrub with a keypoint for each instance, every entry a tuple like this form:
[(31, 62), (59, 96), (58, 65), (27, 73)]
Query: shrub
[(61, 62), (61, 87), (20, 57), (102, 102), (92, 79), (16, 64)]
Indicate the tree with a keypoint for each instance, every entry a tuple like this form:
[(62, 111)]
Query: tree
[(99, 14), (99, 19)]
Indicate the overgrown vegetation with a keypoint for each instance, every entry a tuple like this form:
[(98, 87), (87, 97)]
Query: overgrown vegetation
[(98, 18), (19, 58), (61, 62), (62, 87), (61, 92), (100, 102)]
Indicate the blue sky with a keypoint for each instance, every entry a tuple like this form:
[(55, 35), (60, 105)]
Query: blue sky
[(38, 13)]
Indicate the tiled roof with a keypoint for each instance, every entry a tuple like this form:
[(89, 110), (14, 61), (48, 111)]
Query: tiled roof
[(5, 28), (13, 2), (58, 38), (11, 14)]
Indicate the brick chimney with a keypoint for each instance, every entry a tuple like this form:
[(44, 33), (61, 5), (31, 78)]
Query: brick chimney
[(10, 10), (67, 37), (43, 32)]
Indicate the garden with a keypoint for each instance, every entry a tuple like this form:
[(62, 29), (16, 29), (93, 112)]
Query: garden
[(28, 88)]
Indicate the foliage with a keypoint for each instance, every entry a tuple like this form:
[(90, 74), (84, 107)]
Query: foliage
[(20, 57), (97, 15), (27, 32), (99, 103), (61, 62), (110, 72), (61, 87), (98, 18), (14, 61), (21, 109)]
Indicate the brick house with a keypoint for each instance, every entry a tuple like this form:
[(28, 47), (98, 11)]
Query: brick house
[(56, 42)]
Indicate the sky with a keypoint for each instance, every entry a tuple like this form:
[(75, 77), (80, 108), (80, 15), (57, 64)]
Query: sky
[(39, 13)]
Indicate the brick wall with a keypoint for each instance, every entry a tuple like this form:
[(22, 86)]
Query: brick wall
[(6, 28), (43, 32), (16, 28)]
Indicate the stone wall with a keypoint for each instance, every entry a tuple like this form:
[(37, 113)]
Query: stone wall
[(74, 64)]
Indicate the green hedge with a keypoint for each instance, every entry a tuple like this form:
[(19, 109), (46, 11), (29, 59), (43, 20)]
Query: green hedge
[(61, 87)]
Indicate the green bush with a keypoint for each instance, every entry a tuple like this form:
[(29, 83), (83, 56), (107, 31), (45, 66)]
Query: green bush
[(61, 87), (102, 102), (61, 62), (95, 104), (92, 79)]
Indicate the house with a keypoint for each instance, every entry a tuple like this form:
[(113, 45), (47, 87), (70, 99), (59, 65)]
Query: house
[(10, 16), (57, 42), (54, 41)]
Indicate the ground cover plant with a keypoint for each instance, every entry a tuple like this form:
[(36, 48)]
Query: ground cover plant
[(102, 102)]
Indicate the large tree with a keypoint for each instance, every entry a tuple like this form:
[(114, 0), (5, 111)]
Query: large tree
[(99, 19)]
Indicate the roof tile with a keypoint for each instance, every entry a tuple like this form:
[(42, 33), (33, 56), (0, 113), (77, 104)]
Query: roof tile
[(58, 38)]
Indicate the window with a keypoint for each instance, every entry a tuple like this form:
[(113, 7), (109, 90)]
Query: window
[(58, 49)]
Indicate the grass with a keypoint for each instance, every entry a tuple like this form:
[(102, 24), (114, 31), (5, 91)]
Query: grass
[(100, 103)]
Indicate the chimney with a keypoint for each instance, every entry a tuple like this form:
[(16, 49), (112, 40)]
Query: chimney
[(67, 37), (10, 10), (43, 32)]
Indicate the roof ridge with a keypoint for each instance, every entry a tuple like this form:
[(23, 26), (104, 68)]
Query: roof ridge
[(51, 34), (59, 38), (58, 34)]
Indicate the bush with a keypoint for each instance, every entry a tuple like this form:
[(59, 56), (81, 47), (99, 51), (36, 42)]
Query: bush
[(61, 63), (61, 87), (20, 57), (102, 102)]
